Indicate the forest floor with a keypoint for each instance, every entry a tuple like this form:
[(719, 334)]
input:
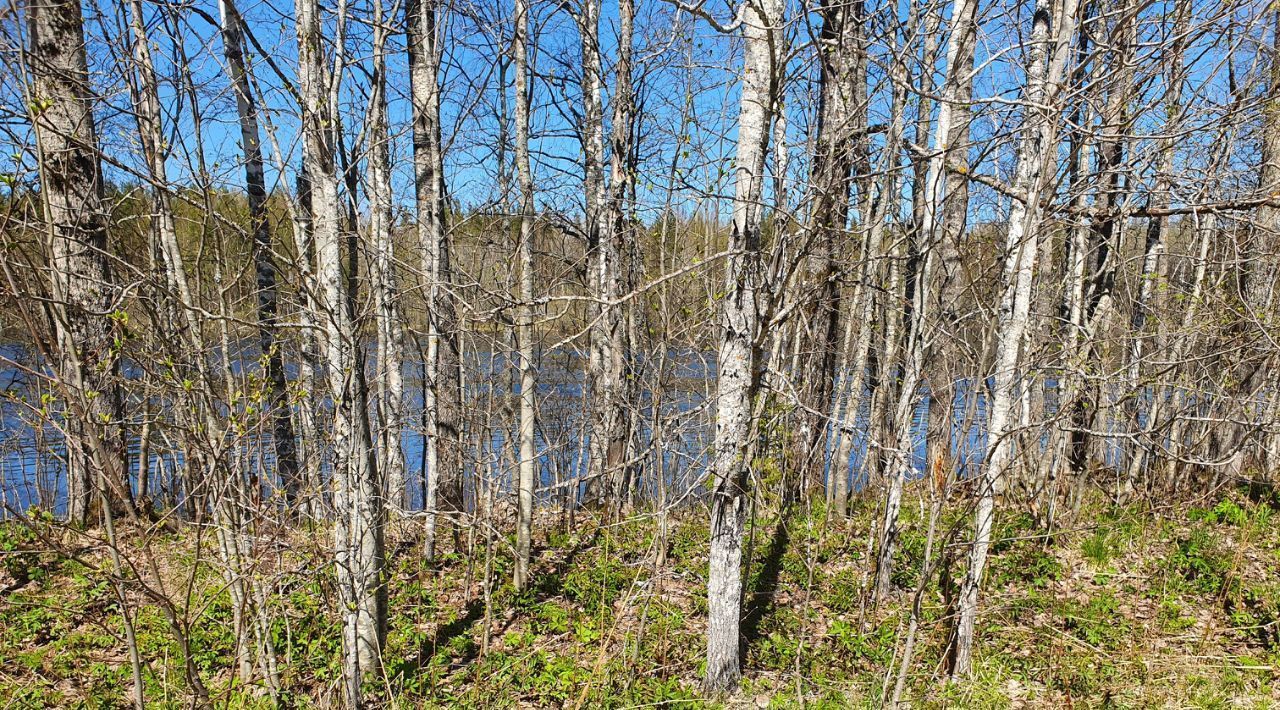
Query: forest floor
[(1138, 607)]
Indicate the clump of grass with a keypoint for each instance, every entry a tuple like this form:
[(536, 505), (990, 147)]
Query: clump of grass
[(1098, 548)]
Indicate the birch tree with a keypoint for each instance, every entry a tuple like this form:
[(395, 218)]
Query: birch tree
[(606, 227), (597, 234), (616, 246), (442, 360), (357, 494), (1053, 24), (738, 379), (83, 294), (524, 316)]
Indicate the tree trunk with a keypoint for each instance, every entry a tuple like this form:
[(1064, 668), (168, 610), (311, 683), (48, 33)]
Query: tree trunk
[(593, 183), (442, 390), (82, 289), (606, 227), (738, 379), (283, 436), (950, 279), (616, 272), (390, 335), (1104, 233), (524, 327), (1052, 27), (358, 494)]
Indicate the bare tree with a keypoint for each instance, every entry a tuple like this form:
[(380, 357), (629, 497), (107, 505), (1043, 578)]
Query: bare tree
[(525, 313), (606, 225), (442, 394), (357, 494), (738, 377), (82, 293), (387, 309), (283, 433), (1053, 25)]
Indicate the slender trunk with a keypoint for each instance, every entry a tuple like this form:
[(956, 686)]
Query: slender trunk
[(607, 227), (738, 379), (598, 265), (616, 272), (390, 335), (1052, 27), (283, 437), (1104, 234), (1076, 248), (524, 327), (311, 374), (357, 493), (442, 394), (861, 303), (949, 277), (310, 501)]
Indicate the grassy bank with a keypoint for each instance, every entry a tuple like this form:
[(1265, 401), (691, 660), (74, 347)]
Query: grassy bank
[(1141, 610)]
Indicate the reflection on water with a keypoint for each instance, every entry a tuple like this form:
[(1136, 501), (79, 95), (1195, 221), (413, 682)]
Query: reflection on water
[(674, 432)]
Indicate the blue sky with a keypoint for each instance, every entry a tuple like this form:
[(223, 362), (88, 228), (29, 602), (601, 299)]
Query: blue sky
[(672, 60)]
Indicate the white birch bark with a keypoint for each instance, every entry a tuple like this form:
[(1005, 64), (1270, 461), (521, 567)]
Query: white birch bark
[(357, 494), (442, 361), (524, 328), (593, 183), (606, 228), (738, 377), (1053, 24)]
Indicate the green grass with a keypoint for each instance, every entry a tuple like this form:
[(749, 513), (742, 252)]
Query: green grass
[(1122, 612)]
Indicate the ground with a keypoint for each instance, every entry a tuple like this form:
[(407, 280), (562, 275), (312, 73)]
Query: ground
[(1124, 607)]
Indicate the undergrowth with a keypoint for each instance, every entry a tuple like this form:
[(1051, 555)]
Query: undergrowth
[(1137, 609)]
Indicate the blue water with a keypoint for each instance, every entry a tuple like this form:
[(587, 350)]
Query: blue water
[(32, 473), (32, 469)]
